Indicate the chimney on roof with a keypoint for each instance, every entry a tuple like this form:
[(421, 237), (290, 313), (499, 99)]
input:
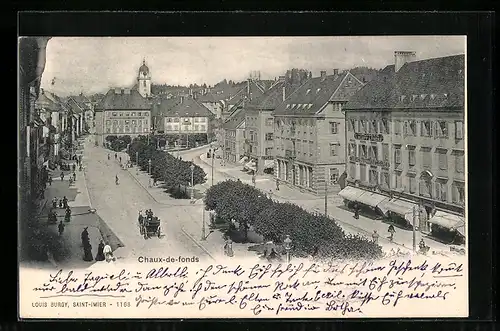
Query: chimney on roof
[(284, 96), (322, 74), (248, 86), (402, 57), (182, 99), (335, 71), (126, 91), (118, 90)]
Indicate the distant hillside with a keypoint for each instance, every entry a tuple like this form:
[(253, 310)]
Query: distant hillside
[(364, 74)]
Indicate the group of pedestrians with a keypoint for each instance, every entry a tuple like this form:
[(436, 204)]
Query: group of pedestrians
[(104, 251)]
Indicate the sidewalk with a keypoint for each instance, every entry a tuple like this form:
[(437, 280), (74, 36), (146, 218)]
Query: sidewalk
[(82, 216), (364, 226)]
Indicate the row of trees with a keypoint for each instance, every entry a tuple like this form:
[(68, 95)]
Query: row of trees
[(250, 208), (174, 172), (118, 143)]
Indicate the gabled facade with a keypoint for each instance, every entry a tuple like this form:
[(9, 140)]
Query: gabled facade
[(309, 133)]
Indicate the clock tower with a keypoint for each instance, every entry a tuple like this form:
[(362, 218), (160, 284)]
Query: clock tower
[(144, 80)]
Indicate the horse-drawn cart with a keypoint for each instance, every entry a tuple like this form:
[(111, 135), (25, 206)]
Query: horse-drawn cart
[(149, 226)]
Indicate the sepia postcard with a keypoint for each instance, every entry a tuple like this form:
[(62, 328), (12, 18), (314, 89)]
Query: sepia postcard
[(242, 177)]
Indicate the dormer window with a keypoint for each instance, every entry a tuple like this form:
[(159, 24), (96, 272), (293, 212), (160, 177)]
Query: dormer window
[(422, 96), (317, 91), (293, 106), (288, 106), (445, 95), (310, 105), (402, 98), (433, 96), (413, 97), (460, 71), (308, 90), (304, 106)]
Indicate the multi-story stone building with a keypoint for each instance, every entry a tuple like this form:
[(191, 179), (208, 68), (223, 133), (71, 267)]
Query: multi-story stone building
[(186, 116), (259, 125), (309, 136), (234, 137), (405, 135), (122, 112)]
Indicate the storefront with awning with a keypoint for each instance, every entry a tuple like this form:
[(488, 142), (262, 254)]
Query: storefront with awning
[(367, 198), (453, 223), (269, 164), (250, 166), (403, 209)]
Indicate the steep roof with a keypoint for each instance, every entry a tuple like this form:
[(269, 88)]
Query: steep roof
[(311, 96), (273, 97), (432, 83), (189, 107), (44, 101), (208, 97), (123, 101), (163, 106), (235, 120)]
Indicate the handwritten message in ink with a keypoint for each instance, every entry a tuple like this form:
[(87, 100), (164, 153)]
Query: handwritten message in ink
[(354, 289)]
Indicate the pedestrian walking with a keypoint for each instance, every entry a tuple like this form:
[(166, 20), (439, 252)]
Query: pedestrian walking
[(50, 180), (120, 158), (62, 176), (85, 236), (228, 247), (356, 211), (74, 176), (87, 252), (253, 179), (375, 236), (73, 167), (100, 252), (116, 156), (108, 253), (60, 228), (54, 202), (277, 184), (108, 156), (65, 202), (67, 217), (391, 231)]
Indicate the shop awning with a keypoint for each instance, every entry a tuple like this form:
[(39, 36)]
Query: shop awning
[(371, 199), (243, 159), (250, 166), (397, 206), (268, 164), (351, 193), (449, 221)]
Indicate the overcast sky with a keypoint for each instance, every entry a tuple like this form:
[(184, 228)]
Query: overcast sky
[(92, 65)]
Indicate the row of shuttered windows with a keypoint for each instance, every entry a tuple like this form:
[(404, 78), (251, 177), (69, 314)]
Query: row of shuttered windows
[(428, 128), (424, 187), (427, 156)]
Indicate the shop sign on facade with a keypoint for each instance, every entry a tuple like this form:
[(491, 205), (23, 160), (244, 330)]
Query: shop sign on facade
[(369, 136)]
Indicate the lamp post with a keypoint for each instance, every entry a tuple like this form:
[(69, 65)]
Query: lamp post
[(213, 155), (137, 163), (192, 181), (149, 164), (288, 245), (326, 194)]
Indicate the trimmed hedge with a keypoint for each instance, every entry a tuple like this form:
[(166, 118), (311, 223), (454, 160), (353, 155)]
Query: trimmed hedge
[(165, 167), (233, 200)]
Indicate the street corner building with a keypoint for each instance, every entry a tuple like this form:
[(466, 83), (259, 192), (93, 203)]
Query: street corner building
[(309, 135), (405, 136), (183, 116)]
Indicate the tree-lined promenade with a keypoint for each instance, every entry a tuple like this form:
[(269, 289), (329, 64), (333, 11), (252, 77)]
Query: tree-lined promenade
[(173, 172)]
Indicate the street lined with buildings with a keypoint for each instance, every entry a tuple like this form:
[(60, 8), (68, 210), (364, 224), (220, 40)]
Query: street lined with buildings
[(368, 153)]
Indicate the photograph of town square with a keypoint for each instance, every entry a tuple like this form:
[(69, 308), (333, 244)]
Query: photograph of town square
[(262, 148)]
